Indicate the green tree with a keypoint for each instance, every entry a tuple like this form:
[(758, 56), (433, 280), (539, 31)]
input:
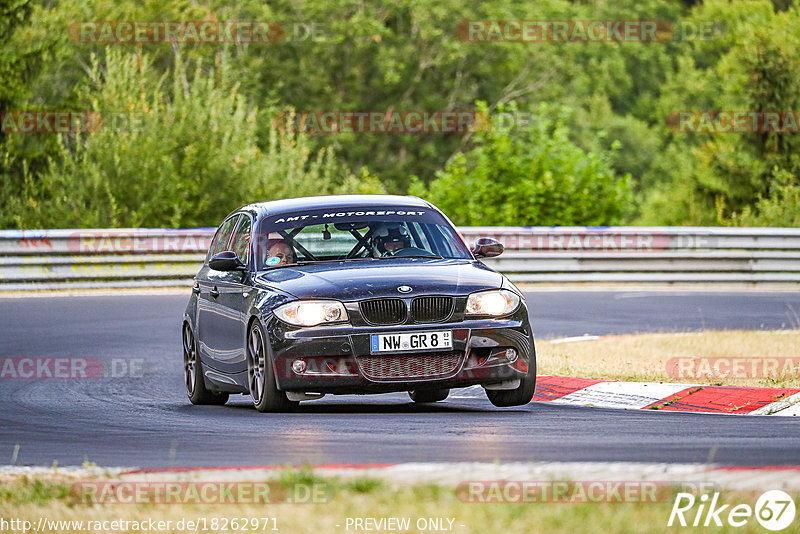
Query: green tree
[(171, 153), (532, 176), (392, 56), (17, 65), (781, 208), (23, 54), (753, 65)]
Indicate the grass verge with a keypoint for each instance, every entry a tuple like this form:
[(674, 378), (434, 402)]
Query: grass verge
[(31, 499)]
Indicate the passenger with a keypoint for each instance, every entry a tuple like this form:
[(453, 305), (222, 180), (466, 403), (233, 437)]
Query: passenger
[(279, 253)]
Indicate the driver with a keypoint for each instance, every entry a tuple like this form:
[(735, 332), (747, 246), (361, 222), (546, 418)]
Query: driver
[(279, 253), (392, 238)]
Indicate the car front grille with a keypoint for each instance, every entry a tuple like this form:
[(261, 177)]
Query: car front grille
[(406, 366), (383, 311), (391, 311), (431, 309)]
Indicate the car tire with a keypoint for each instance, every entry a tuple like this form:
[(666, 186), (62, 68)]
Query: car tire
[(519, 396), (429, 395), (260, 375), (193, 373)]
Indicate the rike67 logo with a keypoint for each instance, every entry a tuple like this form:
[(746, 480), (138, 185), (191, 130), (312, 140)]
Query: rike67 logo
[(774, 510)]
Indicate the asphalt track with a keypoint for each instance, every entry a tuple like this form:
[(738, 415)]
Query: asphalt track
[(147, 421)]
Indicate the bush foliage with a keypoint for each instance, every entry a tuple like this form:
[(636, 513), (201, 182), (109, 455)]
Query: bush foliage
[(189, 131), (535, 176)]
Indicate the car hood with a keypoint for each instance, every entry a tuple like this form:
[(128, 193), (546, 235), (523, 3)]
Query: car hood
[(358, 280)]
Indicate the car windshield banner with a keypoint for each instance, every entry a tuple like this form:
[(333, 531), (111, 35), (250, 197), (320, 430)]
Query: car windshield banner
[(328, 216)]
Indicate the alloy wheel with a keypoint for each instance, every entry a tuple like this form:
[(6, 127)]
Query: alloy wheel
[(256, 368), (189, 359)]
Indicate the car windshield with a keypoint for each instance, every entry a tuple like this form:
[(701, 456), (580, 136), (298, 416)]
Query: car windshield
[(355, 234)]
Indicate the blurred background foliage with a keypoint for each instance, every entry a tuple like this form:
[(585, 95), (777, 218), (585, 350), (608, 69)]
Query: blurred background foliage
[(193, 134)]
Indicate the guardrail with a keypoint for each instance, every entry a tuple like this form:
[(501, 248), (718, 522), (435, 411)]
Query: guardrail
[(52, 259), (646, 254), (55, 259)]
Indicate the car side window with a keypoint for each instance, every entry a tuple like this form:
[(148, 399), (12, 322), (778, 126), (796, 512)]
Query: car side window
[(223, 237), (241, 238)]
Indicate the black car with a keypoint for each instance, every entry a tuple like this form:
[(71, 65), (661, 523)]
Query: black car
[(358, 294)]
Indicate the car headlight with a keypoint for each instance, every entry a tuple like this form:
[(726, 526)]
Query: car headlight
[(494, 302), (312, 312)]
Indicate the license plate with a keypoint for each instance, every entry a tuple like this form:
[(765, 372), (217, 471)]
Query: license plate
[(418, 341)]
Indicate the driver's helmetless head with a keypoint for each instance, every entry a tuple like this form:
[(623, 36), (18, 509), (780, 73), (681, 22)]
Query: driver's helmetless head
[(280, 251)]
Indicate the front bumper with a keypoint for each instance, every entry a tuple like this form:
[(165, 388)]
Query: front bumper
[(337, 358)]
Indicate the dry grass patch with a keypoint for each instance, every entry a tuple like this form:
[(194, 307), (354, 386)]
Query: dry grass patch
[(743, 358)]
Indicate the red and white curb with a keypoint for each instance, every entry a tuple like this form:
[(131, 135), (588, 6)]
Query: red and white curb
[(668, 397), (658, 396), (662, 396)]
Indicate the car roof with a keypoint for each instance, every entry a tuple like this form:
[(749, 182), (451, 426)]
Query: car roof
[(288, 205)]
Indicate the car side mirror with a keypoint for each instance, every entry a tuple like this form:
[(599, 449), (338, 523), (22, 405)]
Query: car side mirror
[(486, 247), (226, 261)]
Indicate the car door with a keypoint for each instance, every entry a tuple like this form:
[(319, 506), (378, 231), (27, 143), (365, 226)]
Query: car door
[(234, 288), (214, 322)]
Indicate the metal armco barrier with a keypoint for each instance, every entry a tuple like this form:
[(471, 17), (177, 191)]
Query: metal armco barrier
[(52, 259), (646, 254), (55, 259)]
